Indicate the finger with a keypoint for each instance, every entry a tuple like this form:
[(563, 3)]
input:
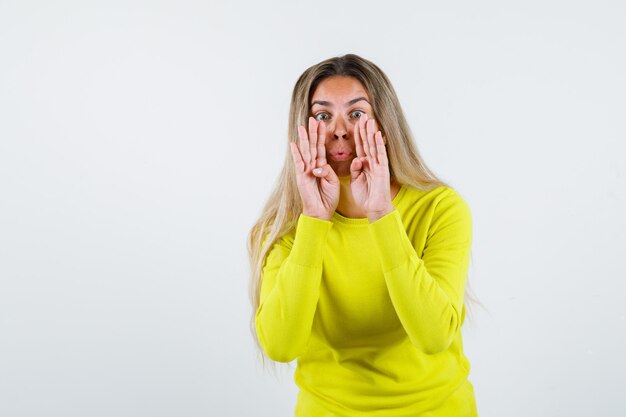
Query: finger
[(381, 151), (370, 124), (304, 145), (363, 135), (297, 158), (321, 145), (358, 143), (313, 139)]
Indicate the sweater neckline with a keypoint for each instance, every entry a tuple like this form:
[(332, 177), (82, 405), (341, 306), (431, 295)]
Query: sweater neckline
[(359, 221)]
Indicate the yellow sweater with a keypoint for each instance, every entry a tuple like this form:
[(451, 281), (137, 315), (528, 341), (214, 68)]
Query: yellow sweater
[(373, 311)]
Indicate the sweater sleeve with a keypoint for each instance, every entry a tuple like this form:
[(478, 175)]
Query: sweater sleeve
[(290, 288), (427, 293)]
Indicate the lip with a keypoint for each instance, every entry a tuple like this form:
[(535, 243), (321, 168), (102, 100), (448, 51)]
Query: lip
[(341, 156)]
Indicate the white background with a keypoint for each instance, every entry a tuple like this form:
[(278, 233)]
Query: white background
[(139, 140)]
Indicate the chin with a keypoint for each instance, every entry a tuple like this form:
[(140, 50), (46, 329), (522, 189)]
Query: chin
[(342, 172), (341, 168)]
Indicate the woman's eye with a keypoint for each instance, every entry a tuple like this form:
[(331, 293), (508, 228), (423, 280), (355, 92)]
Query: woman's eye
[(321, 117), (359, 113)]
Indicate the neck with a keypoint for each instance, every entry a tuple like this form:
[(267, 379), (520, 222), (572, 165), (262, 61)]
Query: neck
[(347, 206)]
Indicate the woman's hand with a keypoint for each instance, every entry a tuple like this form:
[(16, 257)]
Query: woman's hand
[(317, 182), (369, 171)]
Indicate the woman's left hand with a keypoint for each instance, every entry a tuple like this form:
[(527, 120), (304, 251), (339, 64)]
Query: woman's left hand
[(369, 171)]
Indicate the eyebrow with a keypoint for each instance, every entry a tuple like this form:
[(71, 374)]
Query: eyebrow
[(329, 104)]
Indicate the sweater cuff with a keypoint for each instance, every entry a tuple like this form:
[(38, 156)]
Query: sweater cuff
[(391, 240), (310, 240)]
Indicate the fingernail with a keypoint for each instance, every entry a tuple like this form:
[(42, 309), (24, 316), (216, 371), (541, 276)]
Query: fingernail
[(317, 171)]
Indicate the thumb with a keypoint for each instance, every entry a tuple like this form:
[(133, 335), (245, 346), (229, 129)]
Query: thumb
[(326, 171), (355, 168)]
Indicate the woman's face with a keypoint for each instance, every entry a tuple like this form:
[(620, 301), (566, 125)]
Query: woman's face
[(340, 101)]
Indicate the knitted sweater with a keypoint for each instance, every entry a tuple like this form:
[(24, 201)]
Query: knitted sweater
[(373, 311)]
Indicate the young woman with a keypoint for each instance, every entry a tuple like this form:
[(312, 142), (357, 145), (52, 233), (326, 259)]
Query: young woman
[(360, 257)]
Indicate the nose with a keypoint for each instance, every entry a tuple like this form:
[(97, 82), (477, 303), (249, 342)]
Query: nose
[(340, 129)]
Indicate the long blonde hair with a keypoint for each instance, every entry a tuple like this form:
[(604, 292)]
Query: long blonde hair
[(281, 211)]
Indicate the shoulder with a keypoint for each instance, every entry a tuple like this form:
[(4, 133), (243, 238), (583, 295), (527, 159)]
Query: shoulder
[(452, 218), (440, 197), (448, 199), (437, 207)]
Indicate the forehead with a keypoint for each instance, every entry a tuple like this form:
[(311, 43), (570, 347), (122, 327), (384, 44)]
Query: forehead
[(339, 89)]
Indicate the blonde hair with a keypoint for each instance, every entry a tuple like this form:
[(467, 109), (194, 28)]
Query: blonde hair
[(283, 207)]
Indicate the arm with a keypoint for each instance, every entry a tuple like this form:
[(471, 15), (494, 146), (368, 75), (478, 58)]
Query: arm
[(290, 289), (427, 292)]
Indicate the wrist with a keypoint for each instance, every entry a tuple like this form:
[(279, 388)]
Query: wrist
[(376, 215), (317, 215)]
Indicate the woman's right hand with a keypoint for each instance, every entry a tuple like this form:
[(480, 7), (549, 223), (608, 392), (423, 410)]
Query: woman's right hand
[(317, 182)]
